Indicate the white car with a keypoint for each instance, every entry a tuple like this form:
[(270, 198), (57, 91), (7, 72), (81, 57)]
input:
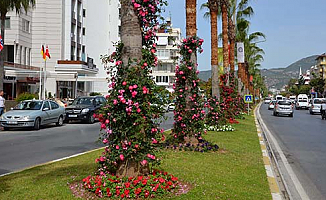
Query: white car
[(271, 105), (302, 102), (267, 100), (315, 106)]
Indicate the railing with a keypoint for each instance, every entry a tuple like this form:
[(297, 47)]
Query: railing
[(20, 66)]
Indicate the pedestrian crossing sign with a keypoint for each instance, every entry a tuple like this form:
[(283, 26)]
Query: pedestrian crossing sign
[(248, 98)]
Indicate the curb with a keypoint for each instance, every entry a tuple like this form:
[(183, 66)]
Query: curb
[(272, 181), (50, 162)]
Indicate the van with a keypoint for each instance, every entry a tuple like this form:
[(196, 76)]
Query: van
[(279, 97), (293, 98), (302, 102)]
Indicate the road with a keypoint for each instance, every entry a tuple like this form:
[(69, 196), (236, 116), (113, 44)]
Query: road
[(303, 141), (20, 149)]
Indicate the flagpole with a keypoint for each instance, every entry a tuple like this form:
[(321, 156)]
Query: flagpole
[(44, 84), (40, 90)]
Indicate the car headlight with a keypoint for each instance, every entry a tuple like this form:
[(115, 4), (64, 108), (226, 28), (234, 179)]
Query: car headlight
[(85, 110), (26, 117)]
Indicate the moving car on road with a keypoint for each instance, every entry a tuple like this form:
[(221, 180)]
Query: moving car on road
[(84, 108), (302, 102), (315, 105), (283, 107), (293, 99), (33, 113), (271, 105), (267, 100)]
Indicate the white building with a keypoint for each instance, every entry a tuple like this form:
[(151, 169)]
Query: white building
[(76, 32), (168, 56)]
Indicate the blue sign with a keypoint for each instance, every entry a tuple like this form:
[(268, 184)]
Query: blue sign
[(248, 98)]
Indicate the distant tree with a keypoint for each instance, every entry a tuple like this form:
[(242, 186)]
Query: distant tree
[(318, 84)]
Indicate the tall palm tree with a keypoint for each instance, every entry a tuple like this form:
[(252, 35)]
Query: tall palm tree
[(131, 35), (224, 9), (191, 18), (5, 7), (213, 10)]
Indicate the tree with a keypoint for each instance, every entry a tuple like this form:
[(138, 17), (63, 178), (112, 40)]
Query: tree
[(213, 10), (224, 9), (5, 7)]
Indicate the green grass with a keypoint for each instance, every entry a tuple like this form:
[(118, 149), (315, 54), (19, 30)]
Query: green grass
[(235, 172)]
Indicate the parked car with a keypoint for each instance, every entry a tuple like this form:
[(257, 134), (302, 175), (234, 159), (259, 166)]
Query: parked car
[(271, 105), (33, 113), (302, 102), (84, 108), (293, 99), (283, 107), (279, 97), (315, 105), (267, 100)]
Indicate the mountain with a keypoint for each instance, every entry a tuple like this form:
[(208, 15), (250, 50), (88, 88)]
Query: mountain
[(278, 77)]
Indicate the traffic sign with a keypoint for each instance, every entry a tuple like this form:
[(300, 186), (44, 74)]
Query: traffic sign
[(248, 98)]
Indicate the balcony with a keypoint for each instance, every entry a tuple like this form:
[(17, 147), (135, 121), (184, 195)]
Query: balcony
[(73, 18), (80, 67), (11, 65)]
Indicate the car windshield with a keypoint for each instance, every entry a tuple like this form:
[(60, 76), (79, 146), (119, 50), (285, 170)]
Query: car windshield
[(86, 100), (303, 100), (29, 105), (284, 103), (318, 101)]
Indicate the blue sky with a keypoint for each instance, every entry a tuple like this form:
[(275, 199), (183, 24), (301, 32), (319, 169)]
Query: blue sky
[(294, 28)]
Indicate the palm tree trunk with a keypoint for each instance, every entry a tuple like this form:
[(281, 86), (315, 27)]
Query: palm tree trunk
[(131, 35), (191, 18), (2, 53), (232, 44), (225, 36), (214, 52)]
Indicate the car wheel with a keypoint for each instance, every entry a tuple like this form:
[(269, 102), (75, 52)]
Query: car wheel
[(37, 124), (60, 121), (91, 119)]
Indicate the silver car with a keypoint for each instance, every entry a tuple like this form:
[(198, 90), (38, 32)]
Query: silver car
[(283, 107), (33, 114), (315, 105)]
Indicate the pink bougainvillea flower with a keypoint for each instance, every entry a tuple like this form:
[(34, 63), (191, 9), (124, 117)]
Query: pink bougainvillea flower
[(143, 162), (105, 141), (124, 83), (131, 87), (103, 126), (138, 110), (122, 157), (117, 147), (134, 93)]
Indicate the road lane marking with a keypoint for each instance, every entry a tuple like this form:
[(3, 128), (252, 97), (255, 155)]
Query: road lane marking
[(286, 164)]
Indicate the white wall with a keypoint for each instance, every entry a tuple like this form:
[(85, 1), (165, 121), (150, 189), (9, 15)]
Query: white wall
[(102, 21)]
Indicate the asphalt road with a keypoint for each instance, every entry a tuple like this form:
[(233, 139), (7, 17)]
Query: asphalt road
[(20, 149), (303, 141)]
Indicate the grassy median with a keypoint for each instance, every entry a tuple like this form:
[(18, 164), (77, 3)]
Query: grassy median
[(235, 172)]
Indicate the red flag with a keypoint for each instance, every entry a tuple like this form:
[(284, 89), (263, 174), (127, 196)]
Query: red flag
[(47, 52), (1, 43), (43, 53)]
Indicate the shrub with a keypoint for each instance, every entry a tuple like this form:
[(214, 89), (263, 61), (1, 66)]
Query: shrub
[(26, 96)]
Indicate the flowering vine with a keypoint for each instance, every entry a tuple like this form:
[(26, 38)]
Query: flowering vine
[(127, 126), (188, 113)]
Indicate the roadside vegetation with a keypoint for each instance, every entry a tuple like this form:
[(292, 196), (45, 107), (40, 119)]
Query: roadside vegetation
[(236, 171)]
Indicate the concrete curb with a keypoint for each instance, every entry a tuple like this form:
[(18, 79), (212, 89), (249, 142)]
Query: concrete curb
[(53, 161), (272, 181)]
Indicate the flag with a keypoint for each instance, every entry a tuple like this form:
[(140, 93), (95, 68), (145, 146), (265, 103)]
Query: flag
[(1, 43), (47, 52), (43, 53)]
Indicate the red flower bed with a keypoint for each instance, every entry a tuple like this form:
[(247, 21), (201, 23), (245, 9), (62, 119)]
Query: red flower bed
[(106, 185)]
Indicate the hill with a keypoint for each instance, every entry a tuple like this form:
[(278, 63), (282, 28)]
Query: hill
[(278, 77)]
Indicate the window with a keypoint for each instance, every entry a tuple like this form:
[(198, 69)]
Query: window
[(7, 23), (26, 25), (46, 105), (84, 12), (84, 31), (163, 53), (162, 79), (54, 105)]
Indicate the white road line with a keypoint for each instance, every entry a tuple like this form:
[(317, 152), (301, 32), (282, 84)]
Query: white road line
[(288, 167)]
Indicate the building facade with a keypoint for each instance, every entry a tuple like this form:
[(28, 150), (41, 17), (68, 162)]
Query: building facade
[(76, 32), (168, 55)]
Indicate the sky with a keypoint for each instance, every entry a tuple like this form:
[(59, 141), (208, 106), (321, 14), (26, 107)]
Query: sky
[(294, 29)]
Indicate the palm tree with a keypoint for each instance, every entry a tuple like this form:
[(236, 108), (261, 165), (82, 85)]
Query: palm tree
[(5, 7), (213, 10), (191, 18), (131, 35), (224, 9)]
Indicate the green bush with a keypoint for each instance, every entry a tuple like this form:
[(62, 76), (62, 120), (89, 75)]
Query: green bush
[(26, 96), (95, 94)]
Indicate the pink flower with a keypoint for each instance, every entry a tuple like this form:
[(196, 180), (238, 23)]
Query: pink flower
[(145, 90), (105, 141), (124, 83), (134, 86), (117, 147), (190, 51), (131, 87), (103, 126), (119, 62), (122, 157), (143, 162), (102, 159), (107, 121), (153, 50), (134, 93), (154, 141), (138, 110)]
